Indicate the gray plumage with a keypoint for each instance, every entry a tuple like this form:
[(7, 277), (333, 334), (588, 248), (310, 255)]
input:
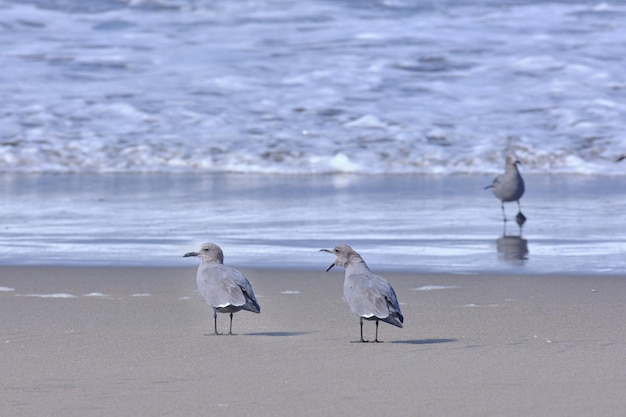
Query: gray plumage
[(509, 186), (223, 288), (369, 296)]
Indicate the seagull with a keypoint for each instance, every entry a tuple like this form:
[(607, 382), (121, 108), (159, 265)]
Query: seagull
[(509, 187), (370, 296), (224, 288)]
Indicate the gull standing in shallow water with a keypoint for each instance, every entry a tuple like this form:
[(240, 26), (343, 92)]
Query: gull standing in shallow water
[(224, 288), (370, 296), (509, 187)]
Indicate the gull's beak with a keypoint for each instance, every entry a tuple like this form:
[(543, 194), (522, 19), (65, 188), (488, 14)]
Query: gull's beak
[(329, 251), (188, 254)]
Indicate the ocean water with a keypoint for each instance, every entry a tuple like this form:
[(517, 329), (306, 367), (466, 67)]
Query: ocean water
[(312, 87), (423, 223), (132, 131)]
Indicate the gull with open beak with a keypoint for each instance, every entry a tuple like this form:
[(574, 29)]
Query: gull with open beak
[(369, 296)]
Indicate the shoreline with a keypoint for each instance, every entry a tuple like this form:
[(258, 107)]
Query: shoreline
[(417, 223), (446, 224), (21, 269), (133, 340)]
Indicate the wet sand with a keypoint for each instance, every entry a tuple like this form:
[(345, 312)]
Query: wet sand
[(400, 222), (133, 341)]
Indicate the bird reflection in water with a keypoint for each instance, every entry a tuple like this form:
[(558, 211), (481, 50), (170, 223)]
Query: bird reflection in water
[(513, 248)]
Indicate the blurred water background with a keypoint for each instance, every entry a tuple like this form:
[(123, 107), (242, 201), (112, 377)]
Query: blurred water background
[(132, 131)]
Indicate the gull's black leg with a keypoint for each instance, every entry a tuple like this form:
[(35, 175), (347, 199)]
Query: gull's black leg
[(376, 339), (215, 322), (230, 331), (361, 320), (362, 340)]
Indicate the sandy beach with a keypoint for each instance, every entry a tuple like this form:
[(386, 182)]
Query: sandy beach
[(80, 341), (134, 131)]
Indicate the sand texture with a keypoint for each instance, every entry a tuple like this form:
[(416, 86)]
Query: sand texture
[(133, 341)]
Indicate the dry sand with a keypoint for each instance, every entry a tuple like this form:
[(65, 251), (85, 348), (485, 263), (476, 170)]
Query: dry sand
[(490, 345)]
